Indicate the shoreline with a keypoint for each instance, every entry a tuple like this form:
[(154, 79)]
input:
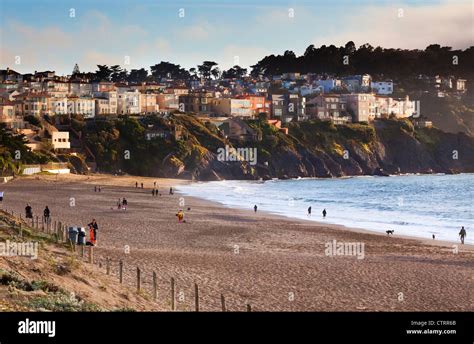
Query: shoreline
[(288, 217), (111, 180), (251, 258), (335, 226)]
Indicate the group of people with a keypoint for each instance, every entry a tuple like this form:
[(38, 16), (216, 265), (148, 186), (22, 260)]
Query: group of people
[(122, 204), (93, 228), (29, 213), (324, 212), (97, 188)]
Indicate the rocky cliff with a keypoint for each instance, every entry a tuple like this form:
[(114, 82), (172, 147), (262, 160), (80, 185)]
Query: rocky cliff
[(311, 149)]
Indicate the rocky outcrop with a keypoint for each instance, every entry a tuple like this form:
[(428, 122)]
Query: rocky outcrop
[(393, 151)]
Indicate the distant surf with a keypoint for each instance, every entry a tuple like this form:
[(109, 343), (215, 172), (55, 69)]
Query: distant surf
[(415, 205)]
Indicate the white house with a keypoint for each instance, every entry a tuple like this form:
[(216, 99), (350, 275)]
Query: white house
[(60, 140)]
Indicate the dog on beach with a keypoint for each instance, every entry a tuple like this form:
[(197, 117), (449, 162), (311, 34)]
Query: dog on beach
[(390, 232)]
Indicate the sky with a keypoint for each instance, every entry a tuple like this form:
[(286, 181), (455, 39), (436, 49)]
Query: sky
[(54, 35)]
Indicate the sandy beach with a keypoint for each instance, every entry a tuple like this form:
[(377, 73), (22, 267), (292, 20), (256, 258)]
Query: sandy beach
[(268, 261)]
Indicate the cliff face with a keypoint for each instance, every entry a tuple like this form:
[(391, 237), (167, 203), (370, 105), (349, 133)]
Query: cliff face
[(390, 147), (312, 149)]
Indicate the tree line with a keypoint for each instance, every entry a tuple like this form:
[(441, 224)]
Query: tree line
[(343, 60)]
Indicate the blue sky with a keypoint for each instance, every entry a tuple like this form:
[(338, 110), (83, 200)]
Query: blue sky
[(43, 34)]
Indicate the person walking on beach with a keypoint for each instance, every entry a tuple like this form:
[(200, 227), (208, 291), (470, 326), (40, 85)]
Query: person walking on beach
[(324, 212), (142, 185), (95, 188), (309, 211), (28, 211), (255, 208), (124, 204), (462, 234), (93, 227), (136, 185), (171, 190), (99, 189), (46, 214), (153, 192), (119, 204), (154, 184)]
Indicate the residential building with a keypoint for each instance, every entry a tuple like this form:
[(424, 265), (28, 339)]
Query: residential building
[(329, 107), (179, 91), (34, 104), (106, 103), (7, 115), (259, 104), (232, 107), (167, 101), (128, 103), (357, 83), (382, 87), (199, 102), (288, 107), (460, 85), (329, 84), (9, 75), (148, 103), (58, 106), (386, 106), (60, 140), (236, 129), (361, 106), (81, 106), (103, 86), (80, 88)]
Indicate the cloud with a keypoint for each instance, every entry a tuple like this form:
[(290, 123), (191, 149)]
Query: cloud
[(199, 31), (406, 26)]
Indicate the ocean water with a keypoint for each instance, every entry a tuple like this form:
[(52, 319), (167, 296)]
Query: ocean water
[(415, 205)]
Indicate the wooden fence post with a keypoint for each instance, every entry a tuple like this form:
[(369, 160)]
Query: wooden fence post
[(196, 297), (172, 294), (121, 271), (138, 279), (155, 289), (91, 254), (223, 302)]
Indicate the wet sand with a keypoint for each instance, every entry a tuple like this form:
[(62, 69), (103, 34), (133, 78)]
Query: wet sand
[(271, 262)]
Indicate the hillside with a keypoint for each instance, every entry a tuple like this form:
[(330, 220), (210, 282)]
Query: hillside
[(312, 149), (58, 280)]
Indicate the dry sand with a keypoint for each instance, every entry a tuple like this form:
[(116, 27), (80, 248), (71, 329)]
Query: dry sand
[(270, 262)]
